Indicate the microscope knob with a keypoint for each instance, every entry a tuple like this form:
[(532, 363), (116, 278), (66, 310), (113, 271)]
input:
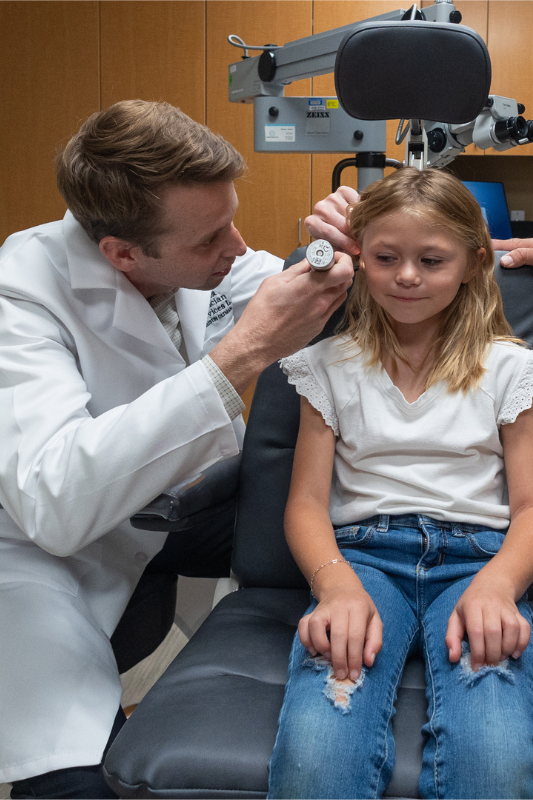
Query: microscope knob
[(267, 66)]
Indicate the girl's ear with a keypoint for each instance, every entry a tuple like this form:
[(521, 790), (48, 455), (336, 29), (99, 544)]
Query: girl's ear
[(476, 260), (361, 263)]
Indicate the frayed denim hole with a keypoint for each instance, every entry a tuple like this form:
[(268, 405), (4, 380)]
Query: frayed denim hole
[(337, 692), (471, 678)]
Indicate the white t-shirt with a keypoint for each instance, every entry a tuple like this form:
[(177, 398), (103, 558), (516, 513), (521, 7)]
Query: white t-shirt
[(440, 456)]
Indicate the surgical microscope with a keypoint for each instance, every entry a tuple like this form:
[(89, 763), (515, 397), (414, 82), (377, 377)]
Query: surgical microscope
[(419, 66), (376, 71)]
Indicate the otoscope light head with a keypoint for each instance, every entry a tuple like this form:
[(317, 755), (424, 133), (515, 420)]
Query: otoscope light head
[(320, 255)]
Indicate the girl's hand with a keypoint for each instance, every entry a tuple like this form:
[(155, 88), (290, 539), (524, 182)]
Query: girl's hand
[(354, 626), (487, 612)]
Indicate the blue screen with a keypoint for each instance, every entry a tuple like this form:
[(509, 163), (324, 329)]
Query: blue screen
[(491, 198)]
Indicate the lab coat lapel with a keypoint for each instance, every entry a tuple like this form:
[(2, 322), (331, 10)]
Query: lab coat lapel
[(193, 307), (89, 269), (134, 315)]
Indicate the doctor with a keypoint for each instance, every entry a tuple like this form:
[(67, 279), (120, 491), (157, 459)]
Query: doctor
[(127, 332)]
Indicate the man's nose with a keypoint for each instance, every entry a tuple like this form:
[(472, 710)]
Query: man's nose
[(236, 246)]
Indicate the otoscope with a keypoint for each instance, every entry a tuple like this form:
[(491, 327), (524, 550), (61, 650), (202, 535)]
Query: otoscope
[(320, 255)]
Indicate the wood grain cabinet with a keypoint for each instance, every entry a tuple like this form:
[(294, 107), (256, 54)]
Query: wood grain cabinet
[(49, 83), (60, 61), (510, 42), (275, 193), (154, 50)]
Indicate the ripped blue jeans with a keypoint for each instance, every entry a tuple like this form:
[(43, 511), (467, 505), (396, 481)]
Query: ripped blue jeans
[(336, 741)]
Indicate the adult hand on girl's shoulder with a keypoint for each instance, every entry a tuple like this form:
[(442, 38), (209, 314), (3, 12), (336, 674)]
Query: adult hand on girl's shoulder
[(488, 614), (521, 251), (355, 629)]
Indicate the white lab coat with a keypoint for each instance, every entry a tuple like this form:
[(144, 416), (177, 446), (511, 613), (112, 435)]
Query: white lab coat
[(98, 415)]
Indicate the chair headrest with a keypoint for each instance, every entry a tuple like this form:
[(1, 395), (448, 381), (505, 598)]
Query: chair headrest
[(413, 70)]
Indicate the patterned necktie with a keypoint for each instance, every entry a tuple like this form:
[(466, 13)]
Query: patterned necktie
[(165, 308)]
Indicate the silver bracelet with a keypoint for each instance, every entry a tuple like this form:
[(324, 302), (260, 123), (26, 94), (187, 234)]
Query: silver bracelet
[(333, 561)]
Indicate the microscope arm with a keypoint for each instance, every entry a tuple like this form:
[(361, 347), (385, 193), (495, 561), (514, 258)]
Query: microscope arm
[(313, 55)]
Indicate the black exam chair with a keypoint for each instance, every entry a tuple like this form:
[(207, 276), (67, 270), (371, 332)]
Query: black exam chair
[(201, 519), (207, 728)]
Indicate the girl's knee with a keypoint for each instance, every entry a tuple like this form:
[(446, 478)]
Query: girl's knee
[(493, 756)]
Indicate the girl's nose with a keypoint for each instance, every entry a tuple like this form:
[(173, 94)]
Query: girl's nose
[(408, 274)]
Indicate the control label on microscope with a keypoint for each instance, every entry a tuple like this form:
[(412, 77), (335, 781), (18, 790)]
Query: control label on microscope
[(280, 133), (317, 121)]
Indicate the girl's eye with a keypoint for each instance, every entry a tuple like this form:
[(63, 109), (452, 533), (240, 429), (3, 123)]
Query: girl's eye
[(385, 259), (432, 262)]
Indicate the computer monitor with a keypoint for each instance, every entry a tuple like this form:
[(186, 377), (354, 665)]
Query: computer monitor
[(491, 197)]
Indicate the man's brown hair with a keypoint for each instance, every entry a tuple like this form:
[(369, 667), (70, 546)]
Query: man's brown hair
[(112, 171)]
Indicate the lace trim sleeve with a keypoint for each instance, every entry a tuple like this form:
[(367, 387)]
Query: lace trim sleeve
[(299, 374), (521, 398)]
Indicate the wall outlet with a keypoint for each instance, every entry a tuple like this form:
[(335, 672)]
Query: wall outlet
[(518, 216)]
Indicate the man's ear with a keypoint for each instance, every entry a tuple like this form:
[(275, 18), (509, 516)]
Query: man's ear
[(121, 254)]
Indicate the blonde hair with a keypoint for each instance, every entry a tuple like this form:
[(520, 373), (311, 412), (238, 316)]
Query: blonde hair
[(112, 171), (473, 320)]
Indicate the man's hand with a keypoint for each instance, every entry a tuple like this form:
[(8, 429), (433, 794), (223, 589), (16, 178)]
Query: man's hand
[(487, 612), (329, 220), (354, 626), (287, 311), (521, 251)]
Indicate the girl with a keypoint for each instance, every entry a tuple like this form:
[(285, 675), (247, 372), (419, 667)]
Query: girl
[(408, 546)]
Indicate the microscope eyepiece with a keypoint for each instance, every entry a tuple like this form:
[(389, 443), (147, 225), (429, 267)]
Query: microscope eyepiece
[(436, 140), (512, 128)]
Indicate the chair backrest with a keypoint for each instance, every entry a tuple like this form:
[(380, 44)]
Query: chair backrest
[(261, 556)]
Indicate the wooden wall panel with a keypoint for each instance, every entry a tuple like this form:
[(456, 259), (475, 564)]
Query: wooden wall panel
[(510, 41), (275, 192), (330, 14), (154, 51), (49, 83), (475, 14)]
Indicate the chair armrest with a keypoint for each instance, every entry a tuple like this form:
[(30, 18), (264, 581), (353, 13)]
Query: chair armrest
[(172, 510)]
